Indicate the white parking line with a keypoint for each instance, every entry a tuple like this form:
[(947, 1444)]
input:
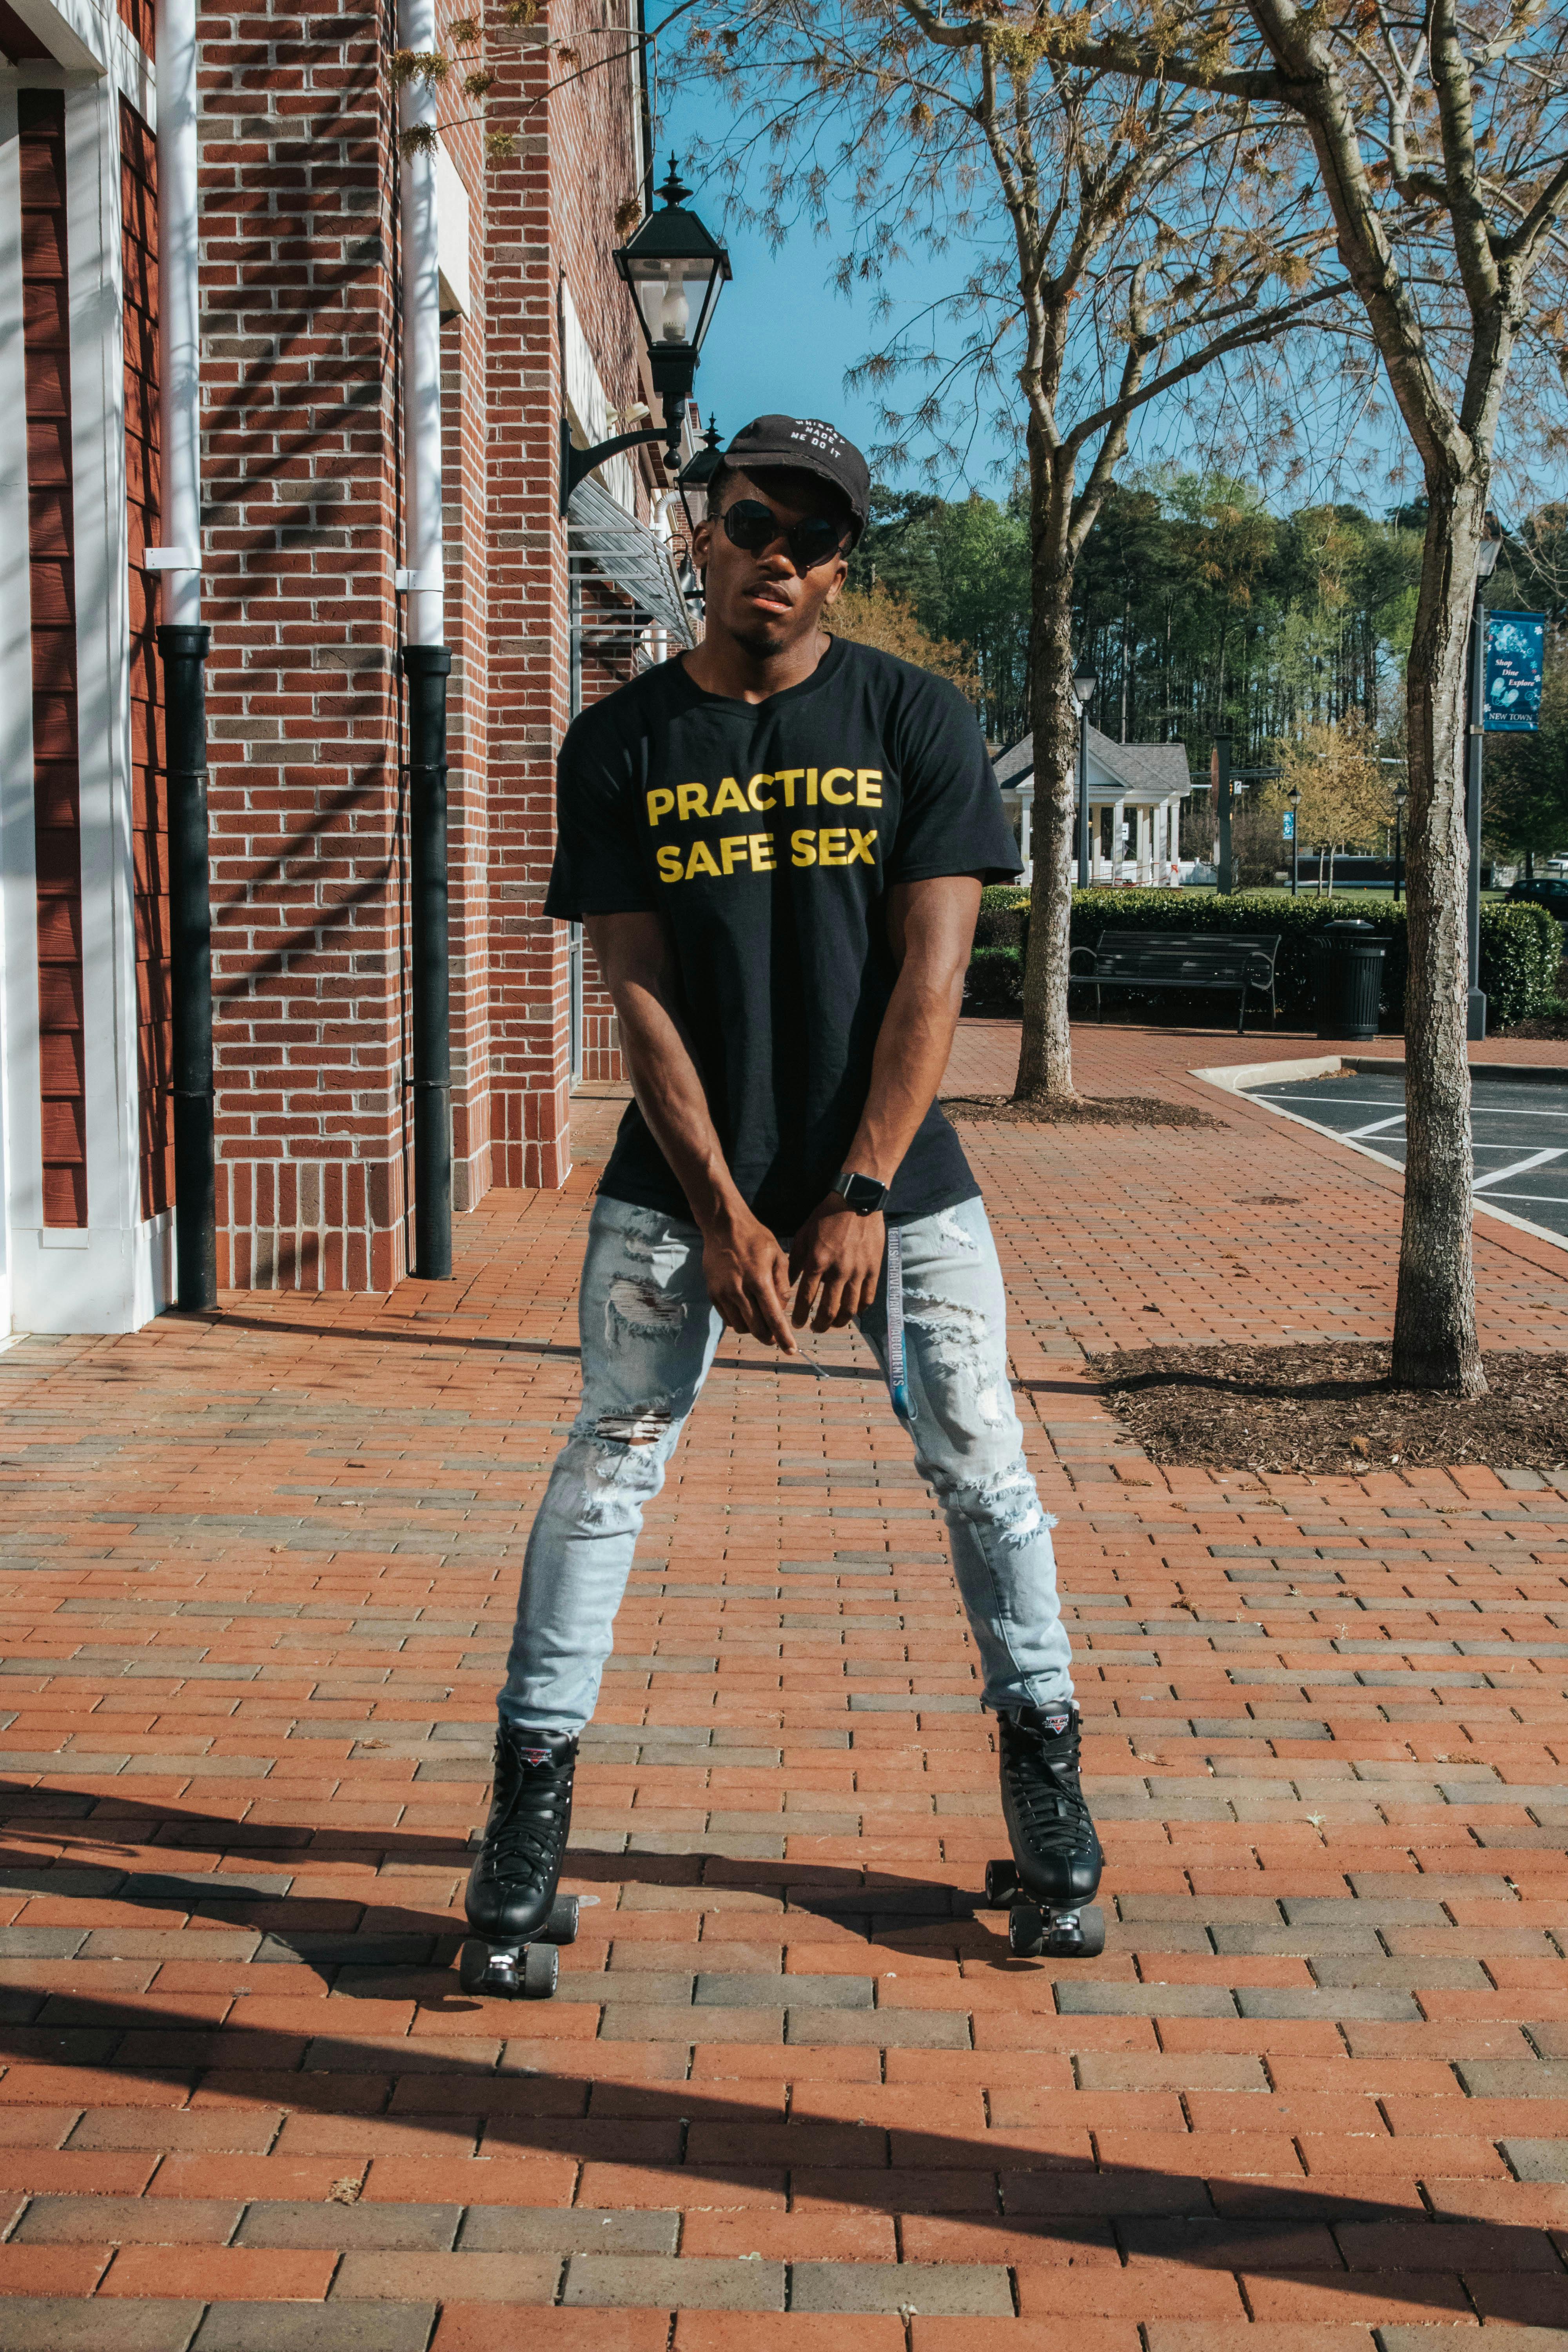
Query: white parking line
[(1517, 1168), (1374, 1102), (1356, 1102), (1375, 1127)]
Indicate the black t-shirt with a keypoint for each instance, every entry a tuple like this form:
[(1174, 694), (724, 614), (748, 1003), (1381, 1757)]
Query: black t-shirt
[(767, 835)]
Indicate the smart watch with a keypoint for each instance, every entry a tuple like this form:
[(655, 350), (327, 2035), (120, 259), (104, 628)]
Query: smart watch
[(861, 1193)]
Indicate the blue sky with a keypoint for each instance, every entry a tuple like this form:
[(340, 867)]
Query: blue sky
[(781, 339), (782, 336)]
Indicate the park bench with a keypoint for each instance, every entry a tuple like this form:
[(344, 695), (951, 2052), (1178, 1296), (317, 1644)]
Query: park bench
[(1233, 964)]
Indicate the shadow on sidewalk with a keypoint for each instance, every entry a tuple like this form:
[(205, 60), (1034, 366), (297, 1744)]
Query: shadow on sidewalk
[(518, 2092), (395, 1339)]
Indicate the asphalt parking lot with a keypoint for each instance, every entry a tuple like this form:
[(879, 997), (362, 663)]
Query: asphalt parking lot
[(1520, 1130)]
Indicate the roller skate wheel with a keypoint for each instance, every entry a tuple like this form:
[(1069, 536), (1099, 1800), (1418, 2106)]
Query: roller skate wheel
[(1001, 1884), (560, 1928), (1026, 1931), (1075, 1935), (481, 1967), (541, 1967)]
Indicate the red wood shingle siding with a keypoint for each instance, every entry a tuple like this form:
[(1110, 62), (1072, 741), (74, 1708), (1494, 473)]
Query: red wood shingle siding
[(56, 794), (149, 786), (138, 17)]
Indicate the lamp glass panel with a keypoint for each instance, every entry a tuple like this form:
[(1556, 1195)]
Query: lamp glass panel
[(673, 295), (703, 284)]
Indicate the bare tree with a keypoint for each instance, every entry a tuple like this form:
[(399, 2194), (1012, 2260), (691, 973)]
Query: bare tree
[(1109, 240), (1440, 153)]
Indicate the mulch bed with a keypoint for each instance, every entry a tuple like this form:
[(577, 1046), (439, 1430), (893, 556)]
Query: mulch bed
[(1088, 1110), (1327, 1409), (1541, 1028)]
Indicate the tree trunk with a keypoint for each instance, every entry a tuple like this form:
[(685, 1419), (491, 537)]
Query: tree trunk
[(1435, 1344), (1045, 1056)]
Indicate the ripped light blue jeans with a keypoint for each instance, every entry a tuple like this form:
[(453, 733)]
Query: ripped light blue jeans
[(648, 1336)]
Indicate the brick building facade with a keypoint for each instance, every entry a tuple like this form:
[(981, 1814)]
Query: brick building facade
[(303, 491)]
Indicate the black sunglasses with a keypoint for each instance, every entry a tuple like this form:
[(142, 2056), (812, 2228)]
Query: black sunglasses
[(751, 525)]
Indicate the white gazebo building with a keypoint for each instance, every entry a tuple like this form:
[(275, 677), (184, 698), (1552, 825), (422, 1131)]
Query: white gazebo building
[(1135, 795)]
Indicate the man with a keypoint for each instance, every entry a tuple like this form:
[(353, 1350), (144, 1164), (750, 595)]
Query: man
[(777, 844)]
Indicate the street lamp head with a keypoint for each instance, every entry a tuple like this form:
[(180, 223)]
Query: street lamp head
[(675, 269), (1294, 794), (1490, 549), (1401, 795), (703, 464), (1084, 686)]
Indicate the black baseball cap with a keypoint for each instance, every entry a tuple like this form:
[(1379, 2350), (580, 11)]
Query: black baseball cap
[(809, 447)]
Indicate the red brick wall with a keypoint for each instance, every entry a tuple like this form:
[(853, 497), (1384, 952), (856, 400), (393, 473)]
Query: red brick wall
[(303, 487), (463, 421), (301, 490), (553, 210), (149, 790), (57, 788)]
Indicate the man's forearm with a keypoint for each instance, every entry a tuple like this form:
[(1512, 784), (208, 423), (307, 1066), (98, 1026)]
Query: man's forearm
[(933, 926), (746, 1271), (672, 1097), (913, 1046)]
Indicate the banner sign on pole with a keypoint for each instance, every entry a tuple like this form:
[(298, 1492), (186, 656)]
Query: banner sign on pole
[(1288, 823), (1515, 655)]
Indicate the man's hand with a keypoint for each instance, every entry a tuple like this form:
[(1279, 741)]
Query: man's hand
[(748, 1278), (837, 1260)]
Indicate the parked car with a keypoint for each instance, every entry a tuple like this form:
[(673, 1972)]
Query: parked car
[(1549, 891)]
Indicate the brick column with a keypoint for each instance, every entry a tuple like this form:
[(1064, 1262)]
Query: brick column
[(302, 483)]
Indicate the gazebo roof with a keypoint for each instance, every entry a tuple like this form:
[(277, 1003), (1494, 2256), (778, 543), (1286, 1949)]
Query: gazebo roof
[(1139, 772)]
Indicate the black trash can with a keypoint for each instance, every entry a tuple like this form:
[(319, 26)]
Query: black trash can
[(1350, 979)]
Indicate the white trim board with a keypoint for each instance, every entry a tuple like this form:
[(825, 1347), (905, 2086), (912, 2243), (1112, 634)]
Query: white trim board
[(85, 1278)]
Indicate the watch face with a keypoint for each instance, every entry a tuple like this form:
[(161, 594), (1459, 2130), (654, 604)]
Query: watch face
[(863, 1193)]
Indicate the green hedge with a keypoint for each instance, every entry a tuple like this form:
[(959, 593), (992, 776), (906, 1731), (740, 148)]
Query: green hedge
[(1521, 945)]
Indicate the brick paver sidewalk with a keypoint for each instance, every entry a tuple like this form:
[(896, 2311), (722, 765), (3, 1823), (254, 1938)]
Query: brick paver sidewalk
[(792, 2097)]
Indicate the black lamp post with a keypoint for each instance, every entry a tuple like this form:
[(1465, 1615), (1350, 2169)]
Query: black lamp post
[(1083, 687), (675, 269), (696, 475), (1400, 796), (1295, 798), (1476, 1003)]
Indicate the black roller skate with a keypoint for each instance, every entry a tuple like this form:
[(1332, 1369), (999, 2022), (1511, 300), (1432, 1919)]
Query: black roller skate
[(513, 1909), (1056, 1860)]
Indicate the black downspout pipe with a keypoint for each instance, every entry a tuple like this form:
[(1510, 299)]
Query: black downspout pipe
[(183, 649), (427, 667)]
